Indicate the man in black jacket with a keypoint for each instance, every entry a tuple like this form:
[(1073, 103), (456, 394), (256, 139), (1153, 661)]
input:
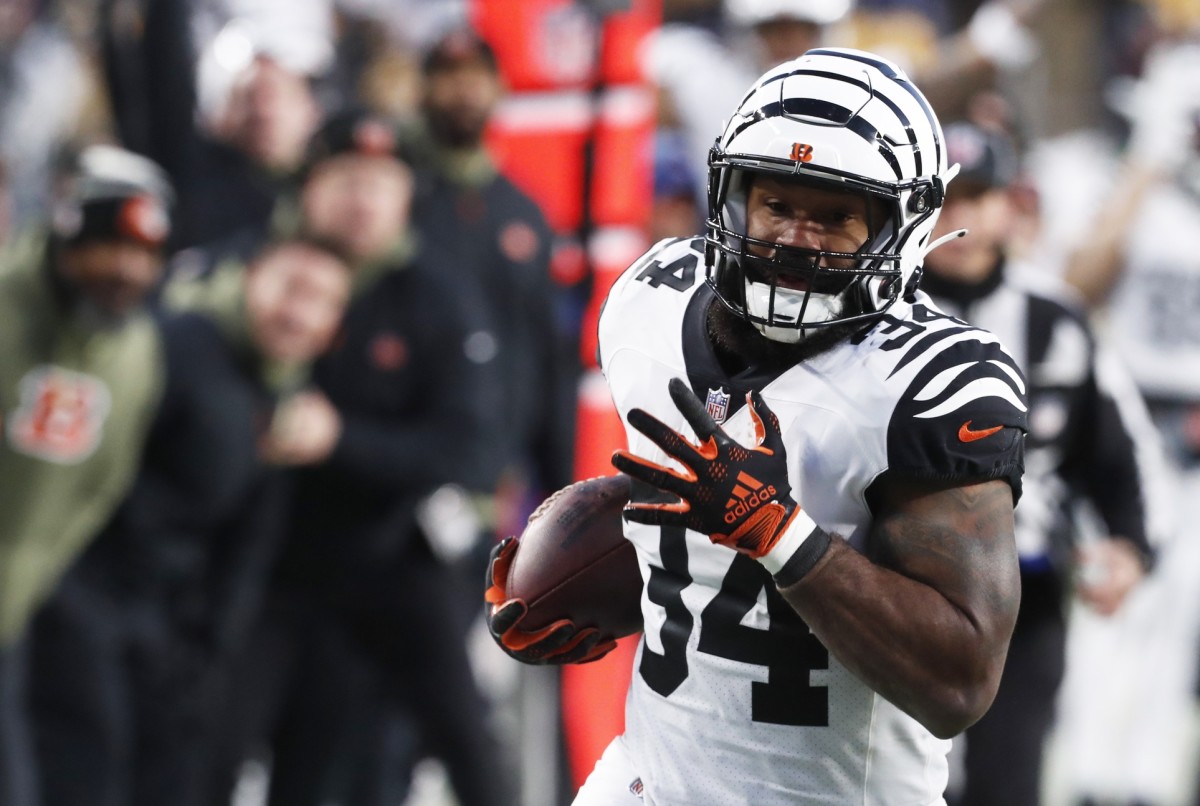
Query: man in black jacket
[(407, 402), (493, 237), (497, 235)]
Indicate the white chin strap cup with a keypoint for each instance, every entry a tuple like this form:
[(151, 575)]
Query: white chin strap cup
[(788, 304)]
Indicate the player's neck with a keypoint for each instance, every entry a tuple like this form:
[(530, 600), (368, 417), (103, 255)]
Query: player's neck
[(739, 347)]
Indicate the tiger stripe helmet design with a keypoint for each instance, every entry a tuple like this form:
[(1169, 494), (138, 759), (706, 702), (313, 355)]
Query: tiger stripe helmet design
[(837, 119)]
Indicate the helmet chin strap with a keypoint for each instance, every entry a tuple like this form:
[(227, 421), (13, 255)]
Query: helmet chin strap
[(788, 307), (910, 289), (781, 335)]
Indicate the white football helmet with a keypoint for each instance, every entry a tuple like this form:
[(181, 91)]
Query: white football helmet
[(839, 119)]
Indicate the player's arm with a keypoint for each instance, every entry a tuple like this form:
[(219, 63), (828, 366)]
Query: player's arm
[(1095, 267), (1162, 133), (925, 620), (1114, 473)]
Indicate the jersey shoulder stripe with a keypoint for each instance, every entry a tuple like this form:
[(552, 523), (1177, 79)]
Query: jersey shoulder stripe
[(960, 412)]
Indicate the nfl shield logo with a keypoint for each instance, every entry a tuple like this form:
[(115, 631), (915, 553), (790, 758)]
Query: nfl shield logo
[(717, 404)]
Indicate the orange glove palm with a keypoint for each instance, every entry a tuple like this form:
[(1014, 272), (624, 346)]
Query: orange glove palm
[(559, 642)]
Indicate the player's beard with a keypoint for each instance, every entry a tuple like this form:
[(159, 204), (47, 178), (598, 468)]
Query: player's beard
[(739, 345)]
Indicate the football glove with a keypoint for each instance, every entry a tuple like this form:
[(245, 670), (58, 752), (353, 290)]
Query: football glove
[(557, 643), (740, 497)]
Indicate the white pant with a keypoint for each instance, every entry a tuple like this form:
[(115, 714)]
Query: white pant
[(613, 781)]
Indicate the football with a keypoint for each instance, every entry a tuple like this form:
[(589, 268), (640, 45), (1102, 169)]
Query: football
[(573, 561)]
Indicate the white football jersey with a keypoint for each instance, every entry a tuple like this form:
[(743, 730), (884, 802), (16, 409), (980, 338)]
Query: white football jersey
[(733, 701), (1152, 321)]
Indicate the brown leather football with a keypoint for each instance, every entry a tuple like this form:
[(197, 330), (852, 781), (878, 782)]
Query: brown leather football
[(574, 562)]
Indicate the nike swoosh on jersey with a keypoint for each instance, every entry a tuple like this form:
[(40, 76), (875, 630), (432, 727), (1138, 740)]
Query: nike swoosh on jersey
[(966, 434)]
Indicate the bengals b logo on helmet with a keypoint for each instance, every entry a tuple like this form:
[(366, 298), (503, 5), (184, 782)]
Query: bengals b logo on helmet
[(802, 152)]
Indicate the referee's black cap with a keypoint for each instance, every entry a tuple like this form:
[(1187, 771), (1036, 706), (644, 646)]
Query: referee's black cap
[(987, 157)]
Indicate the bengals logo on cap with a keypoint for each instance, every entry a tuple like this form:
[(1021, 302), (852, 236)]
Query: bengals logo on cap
[(144, 219)]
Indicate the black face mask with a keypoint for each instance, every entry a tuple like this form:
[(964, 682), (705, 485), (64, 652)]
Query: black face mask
[(799, 264)]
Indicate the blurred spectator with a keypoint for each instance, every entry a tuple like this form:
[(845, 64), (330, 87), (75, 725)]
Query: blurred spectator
[(258, 140), (407, 401), (223, 93), (155, 607), (44, 87), (701, 74), (358, 190), (1090, 439), (699, 78), (1138, 263), (1160, 167), (490, 235), (153, 110), (78, 386), (412, 23), (1139, 268), (494, 235), (354, 188), (783, 29), (936, 11), (379, 50), (675, 213), (269, 115)]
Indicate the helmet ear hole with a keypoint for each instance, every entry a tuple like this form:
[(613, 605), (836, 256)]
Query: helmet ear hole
[(920, 202)]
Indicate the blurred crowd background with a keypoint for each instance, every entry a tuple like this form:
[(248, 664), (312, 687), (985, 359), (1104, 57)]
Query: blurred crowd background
[(297, 304)]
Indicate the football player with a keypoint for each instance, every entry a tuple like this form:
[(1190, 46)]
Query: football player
[(824, 468)]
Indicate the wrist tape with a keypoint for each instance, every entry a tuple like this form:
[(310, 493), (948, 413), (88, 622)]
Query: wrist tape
[(798, 550)]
